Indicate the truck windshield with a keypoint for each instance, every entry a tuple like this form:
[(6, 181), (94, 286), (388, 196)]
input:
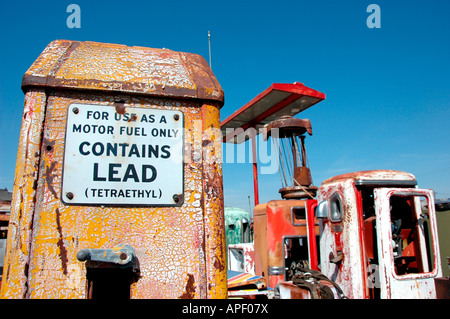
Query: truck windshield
[(411, 239)]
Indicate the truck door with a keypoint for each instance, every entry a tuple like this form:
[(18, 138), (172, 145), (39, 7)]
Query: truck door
[(407, 242)]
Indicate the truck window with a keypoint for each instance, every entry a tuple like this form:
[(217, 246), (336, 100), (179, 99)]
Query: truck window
[(411, 245), (296, 255)]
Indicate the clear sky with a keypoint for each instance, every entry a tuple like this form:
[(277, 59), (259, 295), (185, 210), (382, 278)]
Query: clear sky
[(388, 96)]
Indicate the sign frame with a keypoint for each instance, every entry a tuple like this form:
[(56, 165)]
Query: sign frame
[(130, 114)]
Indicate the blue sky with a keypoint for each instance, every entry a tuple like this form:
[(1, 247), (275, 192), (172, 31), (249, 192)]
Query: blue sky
[(388, 96)]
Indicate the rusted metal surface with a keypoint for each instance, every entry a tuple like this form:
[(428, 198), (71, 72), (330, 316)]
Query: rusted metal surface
[(288, 126), (180, 250), (16, 267), (348, 244), (212, 203), (385, 177), (120, 68), (343, 238), (273, 224), (287, 134), (288, 290)]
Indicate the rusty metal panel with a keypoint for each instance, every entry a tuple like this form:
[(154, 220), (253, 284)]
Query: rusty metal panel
[(259, 239), (340, 241), (180, 250), (273, 223), (23, 202), (375, 177), (345, 260), (212, 202), (289, 290), (119, 68), (442, 287), (418, 284)]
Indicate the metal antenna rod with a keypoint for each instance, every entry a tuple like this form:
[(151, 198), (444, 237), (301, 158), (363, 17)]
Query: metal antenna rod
[(209, 44)]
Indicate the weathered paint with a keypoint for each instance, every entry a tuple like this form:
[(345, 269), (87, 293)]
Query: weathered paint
[(412, 285), (372, 175), (272, 224), (247, 264), (343, 238), (24, 191), (212, 200), (346, 238), (181, 250), (119, 68), (247, 285), (288, 290)]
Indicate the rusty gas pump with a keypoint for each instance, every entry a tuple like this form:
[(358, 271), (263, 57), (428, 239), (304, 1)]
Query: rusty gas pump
[(282, 235), (118, 188), (281, 226)]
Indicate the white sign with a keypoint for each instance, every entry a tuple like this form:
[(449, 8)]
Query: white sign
[(123, 156)]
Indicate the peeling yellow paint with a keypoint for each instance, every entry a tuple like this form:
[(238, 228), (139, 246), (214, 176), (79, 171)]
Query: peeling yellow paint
[(175, 246)]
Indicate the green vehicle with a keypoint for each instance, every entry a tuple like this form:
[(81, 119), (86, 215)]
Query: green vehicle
[(237, 226)]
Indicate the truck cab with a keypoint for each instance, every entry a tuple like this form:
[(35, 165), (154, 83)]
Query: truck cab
[(377, 239)]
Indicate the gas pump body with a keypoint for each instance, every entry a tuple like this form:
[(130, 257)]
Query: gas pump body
[(281, 237), (119, 146)]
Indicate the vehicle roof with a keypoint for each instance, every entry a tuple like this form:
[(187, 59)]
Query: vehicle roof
[(376, 178)]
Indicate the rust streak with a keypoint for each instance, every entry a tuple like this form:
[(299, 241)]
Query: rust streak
[(62, 248), (133, 118), (48, 175), (218, 265), (120, 108), (25, 273), (190, 288)]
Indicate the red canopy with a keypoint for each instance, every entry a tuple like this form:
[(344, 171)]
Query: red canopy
[(277, 100)]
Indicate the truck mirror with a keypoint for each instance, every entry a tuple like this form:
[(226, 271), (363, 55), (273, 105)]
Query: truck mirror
[(336, 211), (322, 210)]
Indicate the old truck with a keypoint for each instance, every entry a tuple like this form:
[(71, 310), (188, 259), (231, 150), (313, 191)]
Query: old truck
[(367, 234)]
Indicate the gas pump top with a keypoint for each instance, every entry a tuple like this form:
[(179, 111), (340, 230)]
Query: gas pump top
[(289, 140), (275, 102)]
